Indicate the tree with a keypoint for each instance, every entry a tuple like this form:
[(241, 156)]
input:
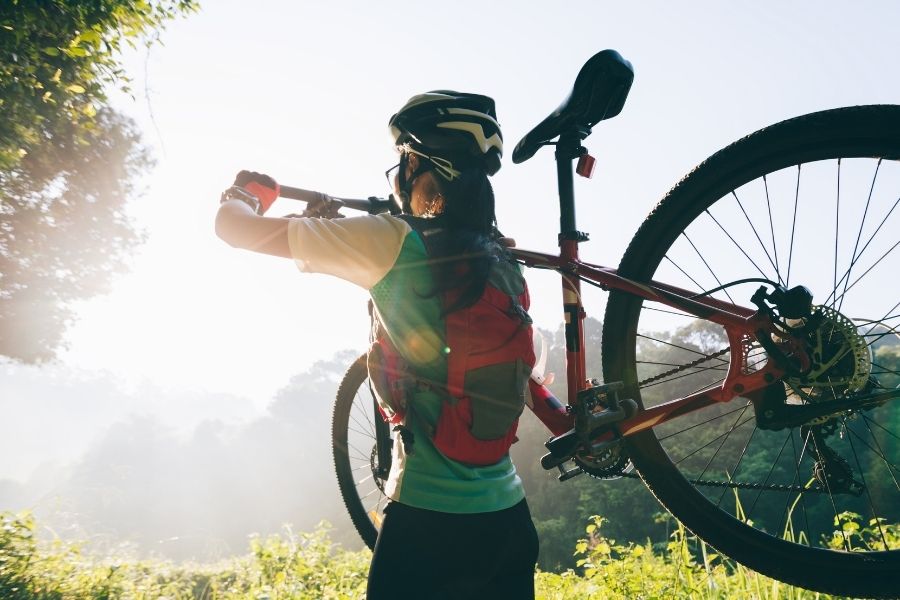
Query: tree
[(64, 232), (58, 58), (67, 162)]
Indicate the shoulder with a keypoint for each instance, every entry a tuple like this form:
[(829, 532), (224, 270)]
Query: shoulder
[(373, 224)]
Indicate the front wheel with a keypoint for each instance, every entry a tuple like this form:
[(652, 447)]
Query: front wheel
[(361, 466), (810, 201)]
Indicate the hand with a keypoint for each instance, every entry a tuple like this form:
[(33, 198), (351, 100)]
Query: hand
[(262, 186), (324, 208)]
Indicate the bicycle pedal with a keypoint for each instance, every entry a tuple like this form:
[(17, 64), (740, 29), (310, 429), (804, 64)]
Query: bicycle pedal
[(565, 475), (561, 448)]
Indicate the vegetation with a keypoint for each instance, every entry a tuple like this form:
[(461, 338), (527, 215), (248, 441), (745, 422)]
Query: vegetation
[(67, 161), (58, 60), (310, 566)]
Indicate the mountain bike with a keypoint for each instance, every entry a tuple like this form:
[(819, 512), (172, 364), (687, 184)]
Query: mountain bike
[(773, 431)]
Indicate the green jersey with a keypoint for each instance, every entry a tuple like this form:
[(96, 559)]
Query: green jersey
[(385, 256)]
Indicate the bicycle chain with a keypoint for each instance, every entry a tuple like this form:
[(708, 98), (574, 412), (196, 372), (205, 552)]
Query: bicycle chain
[(684, 367), (746, 486)]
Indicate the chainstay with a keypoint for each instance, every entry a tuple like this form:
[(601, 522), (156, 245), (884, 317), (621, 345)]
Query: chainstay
[(724, 484), (684, 367)]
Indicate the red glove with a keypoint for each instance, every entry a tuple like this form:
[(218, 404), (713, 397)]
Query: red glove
[(262, 186)]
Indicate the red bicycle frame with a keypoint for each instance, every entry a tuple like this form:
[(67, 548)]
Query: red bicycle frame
[(742, 325)]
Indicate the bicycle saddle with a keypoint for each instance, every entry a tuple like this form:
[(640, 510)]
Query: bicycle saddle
[(599, 93)]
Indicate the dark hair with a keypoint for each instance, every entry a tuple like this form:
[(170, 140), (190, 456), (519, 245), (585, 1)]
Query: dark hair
[(465, 246)]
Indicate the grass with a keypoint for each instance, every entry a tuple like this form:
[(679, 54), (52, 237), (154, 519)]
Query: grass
[(308, 566)]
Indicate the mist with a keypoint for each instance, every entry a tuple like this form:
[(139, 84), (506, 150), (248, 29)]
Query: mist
[(176, 475)]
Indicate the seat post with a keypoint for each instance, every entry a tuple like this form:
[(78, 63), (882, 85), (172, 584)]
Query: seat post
[(568, 148)]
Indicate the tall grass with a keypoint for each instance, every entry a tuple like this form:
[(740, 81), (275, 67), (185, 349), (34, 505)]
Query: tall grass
[(308, 566)]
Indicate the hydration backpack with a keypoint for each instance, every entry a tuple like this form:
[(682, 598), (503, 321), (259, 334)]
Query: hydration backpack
[(490, 359)]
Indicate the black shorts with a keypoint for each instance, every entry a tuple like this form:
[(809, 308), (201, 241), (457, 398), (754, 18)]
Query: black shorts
[(427, 555)]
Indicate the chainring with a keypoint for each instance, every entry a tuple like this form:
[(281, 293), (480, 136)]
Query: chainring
[(611, 463)]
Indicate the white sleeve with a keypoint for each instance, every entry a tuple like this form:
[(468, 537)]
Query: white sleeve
[(360, 249)]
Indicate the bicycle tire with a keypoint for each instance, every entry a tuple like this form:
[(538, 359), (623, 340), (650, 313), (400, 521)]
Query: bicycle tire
[(853, 135), (352, 426)]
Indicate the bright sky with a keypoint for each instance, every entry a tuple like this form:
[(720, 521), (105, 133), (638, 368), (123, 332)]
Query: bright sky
[(303, 91)]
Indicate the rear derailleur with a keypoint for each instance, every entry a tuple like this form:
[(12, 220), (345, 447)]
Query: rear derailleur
[(594, 444)]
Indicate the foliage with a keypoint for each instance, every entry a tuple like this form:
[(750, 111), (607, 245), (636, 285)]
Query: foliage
[(57, 59), (310, 566), (301, 567), (63, 230), (66, 161), (684, 568)]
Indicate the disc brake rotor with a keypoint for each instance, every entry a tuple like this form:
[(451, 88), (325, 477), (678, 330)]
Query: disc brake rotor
[(841, 359)]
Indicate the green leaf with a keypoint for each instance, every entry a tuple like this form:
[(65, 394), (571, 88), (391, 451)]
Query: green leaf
[(75, 89), (92, 37), (51, 51)]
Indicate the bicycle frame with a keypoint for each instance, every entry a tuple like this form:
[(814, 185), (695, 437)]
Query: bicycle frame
[(740, 323)]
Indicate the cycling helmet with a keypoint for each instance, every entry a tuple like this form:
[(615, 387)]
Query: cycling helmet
[(452, 130)]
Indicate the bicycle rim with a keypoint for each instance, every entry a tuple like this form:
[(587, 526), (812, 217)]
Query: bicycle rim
[(811, 201), (353, 447)]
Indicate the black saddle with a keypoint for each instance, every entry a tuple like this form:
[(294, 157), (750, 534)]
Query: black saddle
[(599, 93)]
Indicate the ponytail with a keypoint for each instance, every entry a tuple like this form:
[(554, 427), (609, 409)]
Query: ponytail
[(466, 248)]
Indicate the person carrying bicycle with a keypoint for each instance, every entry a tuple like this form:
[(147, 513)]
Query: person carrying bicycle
[(451, 348)]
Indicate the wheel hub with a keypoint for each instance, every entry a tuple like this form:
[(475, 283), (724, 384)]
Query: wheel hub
[(841, 359)]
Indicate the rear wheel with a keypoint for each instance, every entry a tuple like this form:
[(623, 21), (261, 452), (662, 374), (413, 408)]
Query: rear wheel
[(354, 427), (811, 201)]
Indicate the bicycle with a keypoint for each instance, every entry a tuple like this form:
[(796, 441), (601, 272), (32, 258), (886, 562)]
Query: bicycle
[(773, 433)]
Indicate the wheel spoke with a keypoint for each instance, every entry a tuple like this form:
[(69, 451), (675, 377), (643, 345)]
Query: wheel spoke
[(787, 279), (713, 441), (840, 299), (736, 245), (769, 474), (845, 278), (711, 272), (685, 273), (877, 451), (362, 428), (706, 422), (671, 312), (837, 519), (737, 465), (365, 412), (753, 227), (868, 492), (837, 225), (862, 223)]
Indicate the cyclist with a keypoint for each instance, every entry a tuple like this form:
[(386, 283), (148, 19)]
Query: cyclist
[(453, 528)]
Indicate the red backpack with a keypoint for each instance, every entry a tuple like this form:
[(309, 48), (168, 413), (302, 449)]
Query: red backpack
[(487, 373)]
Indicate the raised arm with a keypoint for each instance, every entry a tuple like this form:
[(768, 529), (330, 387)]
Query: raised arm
[(240, 221)]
